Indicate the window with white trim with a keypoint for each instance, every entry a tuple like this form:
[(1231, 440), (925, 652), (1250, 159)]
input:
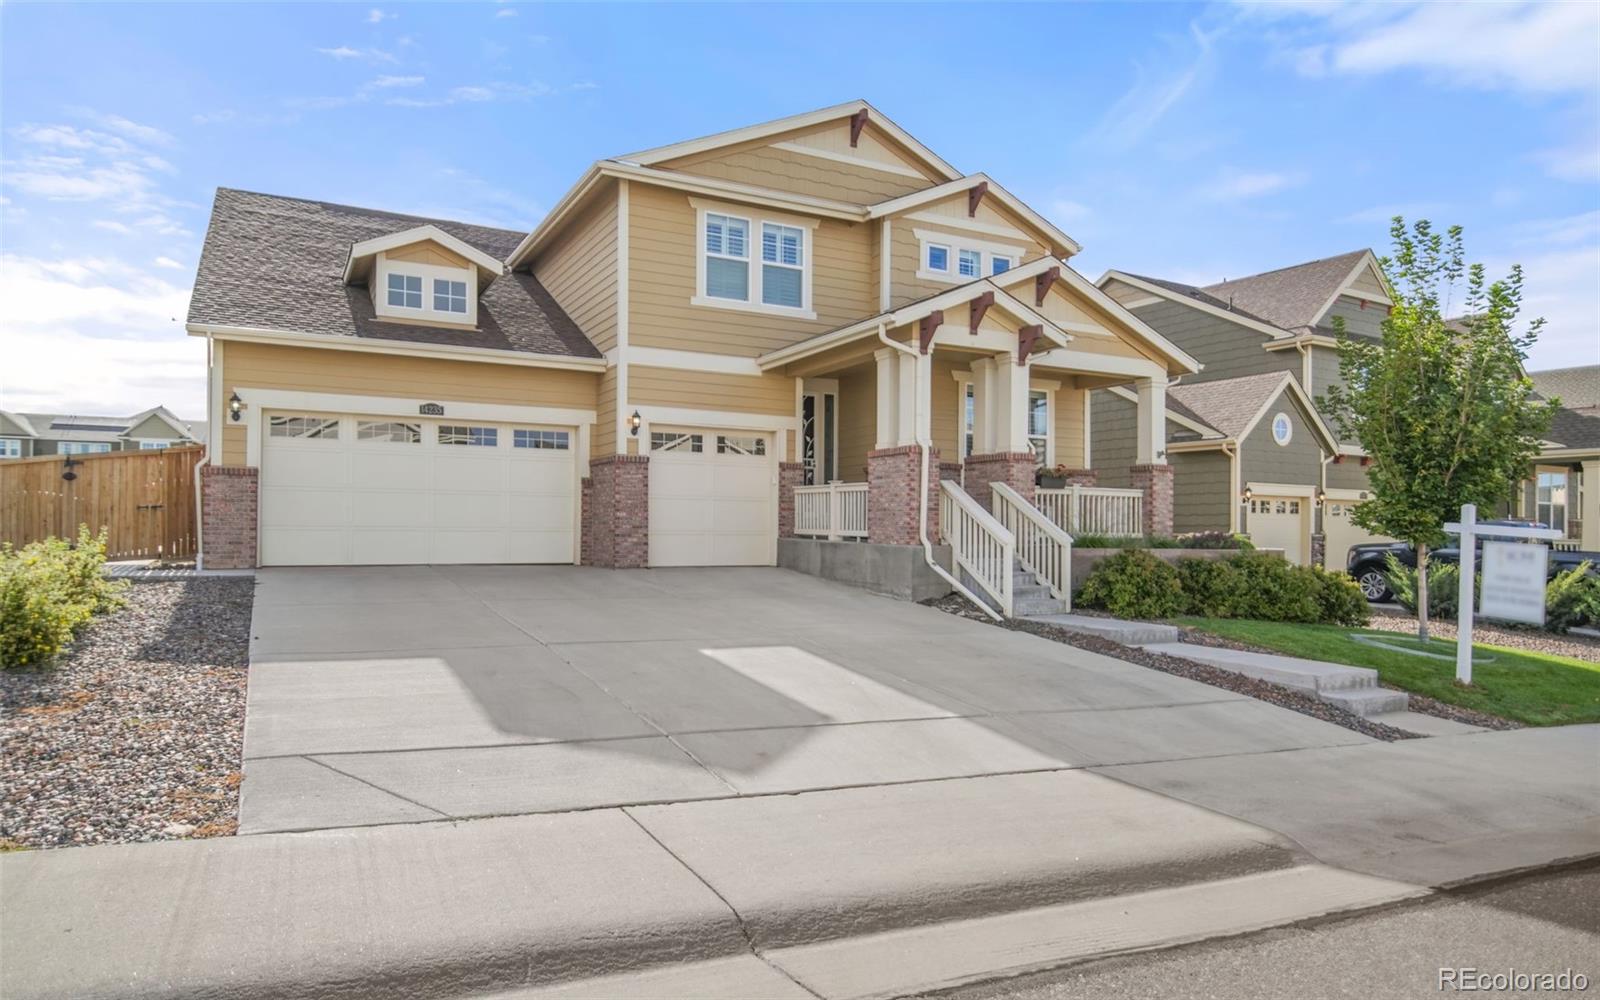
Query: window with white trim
[(85, 447), (405, 290), (727, 249), (10, 448), (938, 257), (543, 440), (782, 265), (472, 437), (153, 445), (1000, 264), (969, 263), (1039, 425), (449, 296), (969, 408)]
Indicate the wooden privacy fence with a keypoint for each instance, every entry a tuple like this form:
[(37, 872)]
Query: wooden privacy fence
[(144, 499)]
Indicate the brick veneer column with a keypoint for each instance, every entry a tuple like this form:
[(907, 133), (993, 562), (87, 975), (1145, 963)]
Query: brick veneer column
[(1156, 482), (951, 471), (1014, 468), (790, 475), (1319, 551), (228, 516), (892, 494), (616, 514), (586, 549)]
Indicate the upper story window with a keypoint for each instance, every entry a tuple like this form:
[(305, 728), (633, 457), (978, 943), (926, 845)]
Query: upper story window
[(947, 257), (938, 257), (970, 264), (405, 291), (777, 281), (999, 264), (449, 296)]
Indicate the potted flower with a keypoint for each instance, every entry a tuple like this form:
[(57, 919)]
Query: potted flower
[(1051, 477)]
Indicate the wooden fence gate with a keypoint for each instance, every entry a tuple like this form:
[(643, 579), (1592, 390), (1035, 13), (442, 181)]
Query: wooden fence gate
[(144, 499)]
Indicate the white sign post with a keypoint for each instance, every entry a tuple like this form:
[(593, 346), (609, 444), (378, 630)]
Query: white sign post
[(1513, 578)]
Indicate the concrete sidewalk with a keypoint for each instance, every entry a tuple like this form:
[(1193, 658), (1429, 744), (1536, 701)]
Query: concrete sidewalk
[(855, 892)]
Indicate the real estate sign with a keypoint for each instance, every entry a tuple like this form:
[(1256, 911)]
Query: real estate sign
[(1513, 581)]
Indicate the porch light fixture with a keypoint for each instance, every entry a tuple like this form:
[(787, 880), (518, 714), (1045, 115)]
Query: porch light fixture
[(235, 407), (1246, 495), (1322, 496), (634, 423)]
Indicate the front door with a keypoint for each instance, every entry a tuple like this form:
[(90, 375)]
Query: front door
[(819, 436)]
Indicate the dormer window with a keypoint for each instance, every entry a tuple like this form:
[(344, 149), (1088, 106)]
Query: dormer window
[(952, 259), (405, 291), (449, 296)]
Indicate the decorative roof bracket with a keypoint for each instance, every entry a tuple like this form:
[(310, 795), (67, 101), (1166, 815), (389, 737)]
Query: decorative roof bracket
[(980, 305), (1042, 282), (1027, 336), (858, 121), (928, 327), (975, 195)]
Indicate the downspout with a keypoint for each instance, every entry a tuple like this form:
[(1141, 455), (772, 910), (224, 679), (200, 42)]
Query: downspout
[(1232, 451), (926, 446), (205, 459)]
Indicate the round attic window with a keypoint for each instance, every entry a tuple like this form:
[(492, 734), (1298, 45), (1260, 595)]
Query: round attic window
[(1282, 429)]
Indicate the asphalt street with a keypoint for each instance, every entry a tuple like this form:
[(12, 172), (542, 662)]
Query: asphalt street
[(1537, 924)]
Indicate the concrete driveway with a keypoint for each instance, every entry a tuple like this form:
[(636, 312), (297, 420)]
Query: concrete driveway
[(408, 694)]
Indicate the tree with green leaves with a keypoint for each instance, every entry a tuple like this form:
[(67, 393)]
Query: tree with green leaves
[(1441, 406)]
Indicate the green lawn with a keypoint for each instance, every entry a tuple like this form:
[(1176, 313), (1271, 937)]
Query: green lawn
[(1535, 688)]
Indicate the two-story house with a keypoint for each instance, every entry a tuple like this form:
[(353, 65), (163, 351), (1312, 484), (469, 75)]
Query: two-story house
[(671, 369), (1563, 487), (26, 435), (1249, 450)]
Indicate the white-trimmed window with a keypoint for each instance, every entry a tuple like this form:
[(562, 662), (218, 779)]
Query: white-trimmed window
[(1041, 419), (727, 257), (952, 257), (474, 437), (449, 296), (10, 448), (84, 447), (540, 439), (153, 445), (1039, 425), (1550, 498), (405, 290), (937, 257), (1000, 263), (782, 265), (969, 263)]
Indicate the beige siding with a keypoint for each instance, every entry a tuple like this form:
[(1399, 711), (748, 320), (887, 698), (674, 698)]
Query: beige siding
[(605, 428), (906, 248), (858, 422), (767, 394), (580, 270), (661, 281), (360, 373), (946, 398), (1069, 427), (428, 252)]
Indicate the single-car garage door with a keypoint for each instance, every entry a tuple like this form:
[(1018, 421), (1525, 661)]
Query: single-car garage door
[(352, 490), (711, 498), (1338, 524), (1279, 523)]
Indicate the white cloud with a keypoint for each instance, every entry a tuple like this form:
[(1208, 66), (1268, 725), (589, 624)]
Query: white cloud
[(111, 225), (1531, 47), (126, 128), (506, 12), (1565, 231), (1380, 215), (342, 52), (1066, 210), (63, 163), (1238, 185), (1561, 285), (1144, 104), (376, 16), (94, 335), (387, 82), (472, 94), (1577, 162), (475, 94), (168, 262)]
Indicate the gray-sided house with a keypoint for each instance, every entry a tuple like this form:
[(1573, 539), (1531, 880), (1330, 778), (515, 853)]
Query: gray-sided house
[(25, 435), (1563, 487), (1250, 453)]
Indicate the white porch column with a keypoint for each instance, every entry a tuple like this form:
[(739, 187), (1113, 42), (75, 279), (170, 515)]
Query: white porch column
[(888, 383), (1590, 509), (1010, 405), (906, 399), (1151, 444), (982, 406)]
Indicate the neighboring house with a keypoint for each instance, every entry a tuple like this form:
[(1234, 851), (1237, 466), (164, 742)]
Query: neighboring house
[(25, 435), (692, 335), (1249, 450), (1564, 488)]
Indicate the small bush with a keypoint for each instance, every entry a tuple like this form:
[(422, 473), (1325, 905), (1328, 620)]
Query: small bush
[(1211, 587), (1134, 584), (1572, 598), (49, 590), (1216, 540), (1199, 540), (1341, 600)]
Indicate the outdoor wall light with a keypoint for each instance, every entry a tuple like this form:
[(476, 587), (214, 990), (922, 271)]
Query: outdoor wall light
[(235, 407), (634, 423), (1322, 496), (1246, 495)]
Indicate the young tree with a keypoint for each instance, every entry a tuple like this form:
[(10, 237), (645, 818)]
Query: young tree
[(1442, 407)]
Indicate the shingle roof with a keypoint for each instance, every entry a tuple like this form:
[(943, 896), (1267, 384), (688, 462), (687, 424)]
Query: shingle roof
[(84, 427), (1290, 297), (1572, 429), (1177, 406), (1228, 404), (277, 263), (1577, 388), (1201, 295)]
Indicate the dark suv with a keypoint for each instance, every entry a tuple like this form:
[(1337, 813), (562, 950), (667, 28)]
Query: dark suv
[(1368, 565)]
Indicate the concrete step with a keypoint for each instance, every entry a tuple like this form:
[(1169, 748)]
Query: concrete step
[(1310, 676), (1425, 725), (1034, 607), (1367, 702), (1125, 632)]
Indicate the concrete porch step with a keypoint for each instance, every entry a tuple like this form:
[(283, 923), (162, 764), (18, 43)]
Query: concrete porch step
[(1126, 632), (1367, 702), (1354, 689), (1033, 607)]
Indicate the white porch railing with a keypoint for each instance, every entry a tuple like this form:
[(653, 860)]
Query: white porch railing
[(980, 544), (1043, 549), (834, 511), (1093, 510)]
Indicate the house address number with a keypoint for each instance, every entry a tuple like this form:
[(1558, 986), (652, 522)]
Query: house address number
[(431, 410)]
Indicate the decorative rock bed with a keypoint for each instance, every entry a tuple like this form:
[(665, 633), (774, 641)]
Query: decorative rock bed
[(137, 733)]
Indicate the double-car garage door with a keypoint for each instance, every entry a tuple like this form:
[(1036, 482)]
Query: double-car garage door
[(339, 489)]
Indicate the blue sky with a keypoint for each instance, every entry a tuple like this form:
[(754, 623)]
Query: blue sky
[(1190, 141)]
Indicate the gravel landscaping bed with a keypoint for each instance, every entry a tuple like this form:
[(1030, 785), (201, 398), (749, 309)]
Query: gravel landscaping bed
[(137, 733), (1579, 647), (1261, 690)]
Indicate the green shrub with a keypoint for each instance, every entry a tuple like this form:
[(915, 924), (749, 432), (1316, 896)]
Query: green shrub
[(1134, 584), (1211, 587), (1340, 599), (1198, 540), (49, 590), (1444, 587), (1215, 540), (1572, 598)]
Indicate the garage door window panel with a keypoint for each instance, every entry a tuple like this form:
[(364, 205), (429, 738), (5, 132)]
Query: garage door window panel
[(540, 440), (729, 445), (474, 437), (388, 431), (320, 428), (674, 441)]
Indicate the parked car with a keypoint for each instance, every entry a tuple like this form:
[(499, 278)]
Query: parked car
[(1368, 565)]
